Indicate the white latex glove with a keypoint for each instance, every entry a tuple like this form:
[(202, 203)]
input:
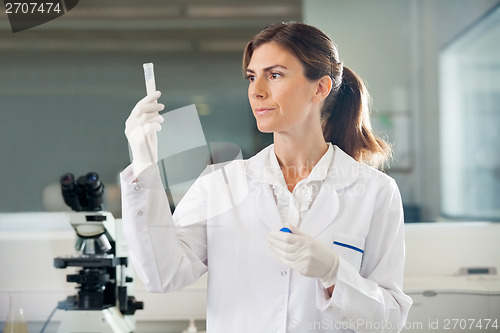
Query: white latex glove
[(140, 128), (305, 255)]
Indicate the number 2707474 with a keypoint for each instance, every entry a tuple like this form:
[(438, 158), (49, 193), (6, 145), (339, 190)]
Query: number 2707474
[(33, 8)]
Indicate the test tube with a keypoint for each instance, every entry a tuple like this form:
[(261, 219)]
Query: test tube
[(149, 76)]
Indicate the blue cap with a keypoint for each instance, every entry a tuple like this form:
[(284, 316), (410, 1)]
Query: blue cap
[(285, 230)]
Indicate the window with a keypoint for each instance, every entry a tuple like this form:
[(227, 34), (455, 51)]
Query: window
[(470, 122)]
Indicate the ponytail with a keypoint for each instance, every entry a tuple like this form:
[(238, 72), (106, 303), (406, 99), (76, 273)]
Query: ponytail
[(346, 122)]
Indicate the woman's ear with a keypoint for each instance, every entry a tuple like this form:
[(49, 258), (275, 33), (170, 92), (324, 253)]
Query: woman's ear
[(323, 88)]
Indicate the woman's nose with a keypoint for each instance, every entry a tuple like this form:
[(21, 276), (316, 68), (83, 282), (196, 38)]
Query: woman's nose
[(257, 89)]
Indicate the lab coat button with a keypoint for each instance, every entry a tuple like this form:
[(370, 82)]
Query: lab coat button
[(139, 213), (137, 188), (284, 273)]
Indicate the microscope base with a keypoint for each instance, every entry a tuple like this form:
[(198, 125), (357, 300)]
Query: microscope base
[(109, 320)]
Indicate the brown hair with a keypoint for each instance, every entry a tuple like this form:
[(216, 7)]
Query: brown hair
[(346, 110)]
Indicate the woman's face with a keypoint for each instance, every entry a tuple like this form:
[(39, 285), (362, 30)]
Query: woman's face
[(282, 98)]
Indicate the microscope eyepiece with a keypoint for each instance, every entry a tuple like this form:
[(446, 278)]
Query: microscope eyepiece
[(93, 185), (70, 191), (95, 190), (83, 194), (92, 180), (68, 182)]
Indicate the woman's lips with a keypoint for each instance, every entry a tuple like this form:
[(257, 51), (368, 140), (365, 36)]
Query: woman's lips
[(262, 110)]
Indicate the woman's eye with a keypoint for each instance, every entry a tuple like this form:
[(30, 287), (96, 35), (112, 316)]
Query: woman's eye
[(250, 77), (275, 75)]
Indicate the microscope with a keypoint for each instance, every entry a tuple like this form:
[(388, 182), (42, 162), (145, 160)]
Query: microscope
[(102, 304)]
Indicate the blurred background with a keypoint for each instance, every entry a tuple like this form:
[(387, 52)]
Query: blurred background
[(431, 66)]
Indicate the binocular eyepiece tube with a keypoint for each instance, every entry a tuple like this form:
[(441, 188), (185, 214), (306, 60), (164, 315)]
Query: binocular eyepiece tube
[(83, 194)]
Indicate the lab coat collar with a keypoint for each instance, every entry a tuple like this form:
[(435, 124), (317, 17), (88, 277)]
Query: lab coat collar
[(261, 191), (318, 173), (343, 171), (255, 166)]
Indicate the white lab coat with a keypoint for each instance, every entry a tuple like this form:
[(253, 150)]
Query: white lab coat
[(221, 226)]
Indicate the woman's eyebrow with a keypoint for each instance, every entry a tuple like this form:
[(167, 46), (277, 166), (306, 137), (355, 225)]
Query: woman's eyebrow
[(267, 69)]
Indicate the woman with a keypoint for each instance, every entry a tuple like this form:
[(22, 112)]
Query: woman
[(341, 266)]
